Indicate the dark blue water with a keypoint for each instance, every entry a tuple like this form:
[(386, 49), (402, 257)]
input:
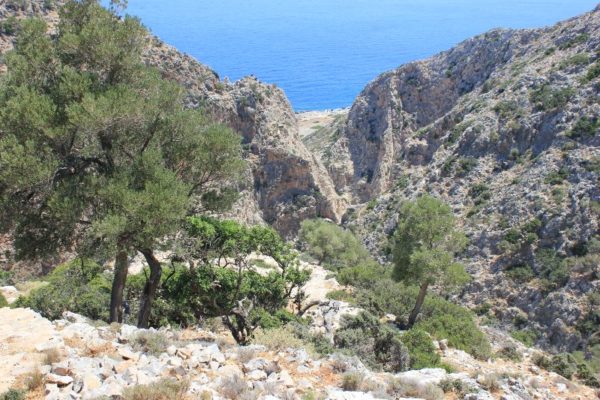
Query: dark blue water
[(323, 52)]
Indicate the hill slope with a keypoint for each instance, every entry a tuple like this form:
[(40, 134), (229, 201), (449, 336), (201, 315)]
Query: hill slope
[(505, 128)]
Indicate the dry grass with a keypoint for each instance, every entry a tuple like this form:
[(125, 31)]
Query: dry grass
[(165, 389), (52, 356), (280, 339)]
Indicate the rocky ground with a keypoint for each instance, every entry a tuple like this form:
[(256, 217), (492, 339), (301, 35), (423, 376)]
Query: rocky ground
[(76, 358)]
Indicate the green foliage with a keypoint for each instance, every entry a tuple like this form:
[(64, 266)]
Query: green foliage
[(444, 320), (579, 39), (521, 273), (78, 286), (362, 275), (526, 336), (421, 349), (510, 353), (340, 295), (232, 288), (585, 127), (332, 245), (377, 345), (557, 177), (3, 301), (6, 278), (593, 72), (97, 149), (553, 269), (440, 318), (352, 381), (9, 26), (424, 244), (465, 165), (547, 98), (578, 59), (564, 364), (13, 394), (506, 108)]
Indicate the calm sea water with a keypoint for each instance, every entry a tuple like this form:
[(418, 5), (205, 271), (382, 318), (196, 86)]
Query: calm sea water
[(323, 52)]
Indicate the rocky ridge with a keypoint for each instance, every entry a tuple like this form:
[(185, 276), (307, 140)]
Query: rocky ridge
[(504, 127)]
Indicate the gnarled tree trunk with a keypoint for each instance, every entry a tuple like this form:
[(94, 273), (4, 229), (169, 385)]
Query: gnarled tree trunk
[(417, 309), (150, 288), (118, 286)]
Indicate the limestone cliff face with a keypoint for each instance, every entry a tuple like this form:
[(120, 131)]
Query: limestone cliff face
[(285, 183), (505, 128)]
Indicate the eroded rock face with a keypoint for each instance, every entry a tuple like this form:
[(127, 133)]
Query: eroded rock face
[(501, 128)]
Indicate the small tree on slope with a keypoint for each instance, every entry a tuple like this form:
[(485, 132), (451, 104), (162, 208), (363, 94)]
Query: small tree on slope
[(425, 243), (97, 149)]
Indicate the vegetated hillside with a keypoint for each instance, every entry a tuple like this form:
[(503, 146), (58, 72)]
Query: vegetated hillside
[(505, 128), (285, 183)]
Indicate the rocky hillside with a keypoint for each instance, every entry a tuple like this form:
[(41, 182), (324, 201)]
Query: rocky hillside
[(505, 128), (75, 358)]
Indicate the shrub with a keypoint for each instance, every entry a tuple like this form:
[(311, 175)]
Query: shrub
[(340, 295), (522, 273), (34, 380), (455, 323), (440, 318), (77, 286), (552, 268), (377, 345), (593, 72), (506, 108), (279, 339), (362, 275), (576, 60), (527, 337), (352, 381), (557, 177), (490, 382), (165, 389), (150, 342), (52, 356), (421, 350), (3, 301), (234, 387), (584, 127), (9, 26), (13, 394), (331, 244), (509, 353), (548, 98), (563, 364)]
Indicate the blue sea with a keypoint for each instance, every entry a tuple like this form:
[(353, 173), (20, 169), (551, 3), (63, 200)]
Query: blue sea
[(323, 52)]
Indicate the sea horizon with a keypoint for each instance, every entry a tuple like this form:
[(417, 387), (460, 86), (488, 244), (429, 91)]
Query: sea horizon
[(322, 54)]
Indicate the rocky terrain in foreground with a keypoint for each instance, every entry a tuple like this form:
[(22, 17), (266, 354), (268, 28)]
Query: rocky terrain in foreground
[(76, 358)]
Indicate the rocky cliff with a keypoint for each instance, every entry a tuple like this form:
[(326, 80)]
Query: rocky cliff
[(505, 128)]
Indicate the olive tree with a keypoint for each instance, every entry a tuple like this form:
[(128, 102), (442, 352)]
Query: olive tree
[(97, 150), (425, 243)]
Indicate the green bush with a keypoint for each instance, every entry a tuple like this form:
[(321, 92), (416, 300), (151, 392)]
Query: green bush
[(440, 318), (3, 302), (421, 350), (564, 364), (340, 295), (593, 72), (552, 268), (521, 273), (13, 394), (78, 286), (377, 345), (331, 245), (525, 336), (584, 127), (548, 98), (362, 275), (510, 353)]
